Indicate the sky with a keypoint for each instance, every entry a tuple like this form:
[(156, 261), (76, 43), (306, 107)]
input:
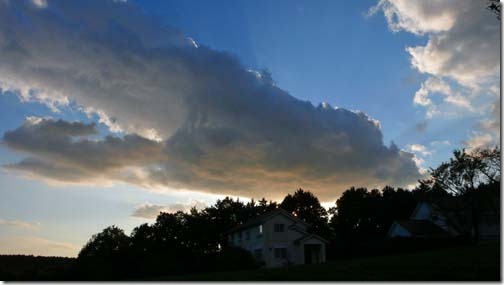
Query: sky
[(112, 111)]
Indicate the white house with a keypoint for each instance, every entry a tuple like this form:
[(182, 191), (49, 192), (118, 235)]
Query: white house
[(278, 238), (446, 217)]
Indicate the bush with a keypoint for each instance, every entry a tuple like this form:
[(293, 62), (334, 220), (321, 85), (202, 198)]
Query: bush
[(234, 258)]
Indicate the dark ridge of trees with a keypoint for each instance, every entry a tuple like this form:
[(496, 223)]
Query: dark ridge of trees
[(192, 242)]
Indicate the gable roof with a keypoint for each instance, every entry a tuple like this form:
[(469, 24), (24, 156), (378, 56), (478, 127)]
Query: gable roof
[(458, 210), (263, 218), (308, 236), (423, 228), (457, 203), (418, 207)]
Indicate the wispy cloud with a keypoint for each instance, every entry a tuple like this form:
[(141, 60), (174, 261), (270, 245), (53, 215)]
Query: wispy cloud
[(34, 245), (19, 224), (478, 140), (441, 143)]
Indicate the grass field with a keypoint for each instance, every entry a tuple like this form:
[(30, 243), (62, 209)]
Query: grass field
[(478, 263)]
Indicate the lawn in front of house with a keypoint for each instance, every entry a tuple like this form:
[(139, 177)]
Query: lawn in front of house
[(469, 263)]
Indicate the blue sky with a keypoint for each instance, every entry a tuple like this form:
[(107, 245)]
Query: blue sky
[(316, 51)]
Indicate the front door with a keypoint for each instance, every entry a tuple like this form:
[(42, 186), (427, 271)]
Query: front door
[(312, 253)]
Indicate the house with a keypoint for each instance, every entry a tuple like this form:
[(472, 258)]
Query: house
[(449, 217), (278, 238)]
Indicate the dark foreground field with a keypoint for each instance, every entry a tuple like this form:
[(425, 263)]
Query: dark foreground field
[(27, 267), (478, 263), (475, 263)]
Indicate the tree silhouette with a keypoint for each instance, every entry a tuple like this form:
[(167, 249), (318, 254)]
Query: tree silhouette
[(494, 6), (105, 256), (464, 172), (463, 176), (304, 205), (111, 242)]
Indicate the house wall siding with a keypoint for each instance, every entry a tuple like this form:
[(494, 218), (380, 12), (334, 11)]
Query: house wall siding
[(398, 231)]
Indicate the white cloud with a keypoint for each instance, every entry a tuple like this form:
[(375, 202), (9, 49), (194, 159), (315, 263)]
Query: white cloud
[(416, 17), (461, 56), (420, 154), (420, 164), (421, 149)]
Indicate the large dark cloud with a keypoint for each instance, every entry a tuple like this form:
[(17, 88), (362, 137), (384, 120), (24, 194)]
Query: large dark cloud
[(61, 151), (197, 119)]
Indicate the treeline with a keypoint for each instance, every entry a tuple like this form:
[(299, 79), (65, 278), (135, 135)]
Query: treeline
[(40, 268), (183, 243)]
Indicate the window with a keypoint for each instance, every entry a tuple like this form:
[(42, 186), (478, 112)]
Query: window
[(281, 252), (260, 231), (258, 254), (239, 236), (247, 235), (279, 228)]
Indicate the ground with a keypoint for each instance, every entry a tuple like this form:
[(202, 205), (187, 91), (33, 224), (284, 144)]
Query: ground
[(475, 263), (478, 263)]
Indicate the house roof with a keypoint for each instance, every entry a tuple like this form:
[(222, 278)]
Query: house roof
[(264, 217), (450, 203), (308, 236), (423, 228)]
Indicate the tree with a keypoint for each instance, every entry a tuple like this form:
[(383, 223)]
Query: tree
[(361, 214), (489, 162), (263, 206), (305, 206), (112, 241), (105, 256), (463, 177), (494, 6), (465, 171)]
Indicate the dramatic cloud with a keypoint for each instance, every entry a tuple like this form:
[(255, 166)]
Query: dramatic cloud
[(151, 211), (61, 152), (461, 55), (187, 117)]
